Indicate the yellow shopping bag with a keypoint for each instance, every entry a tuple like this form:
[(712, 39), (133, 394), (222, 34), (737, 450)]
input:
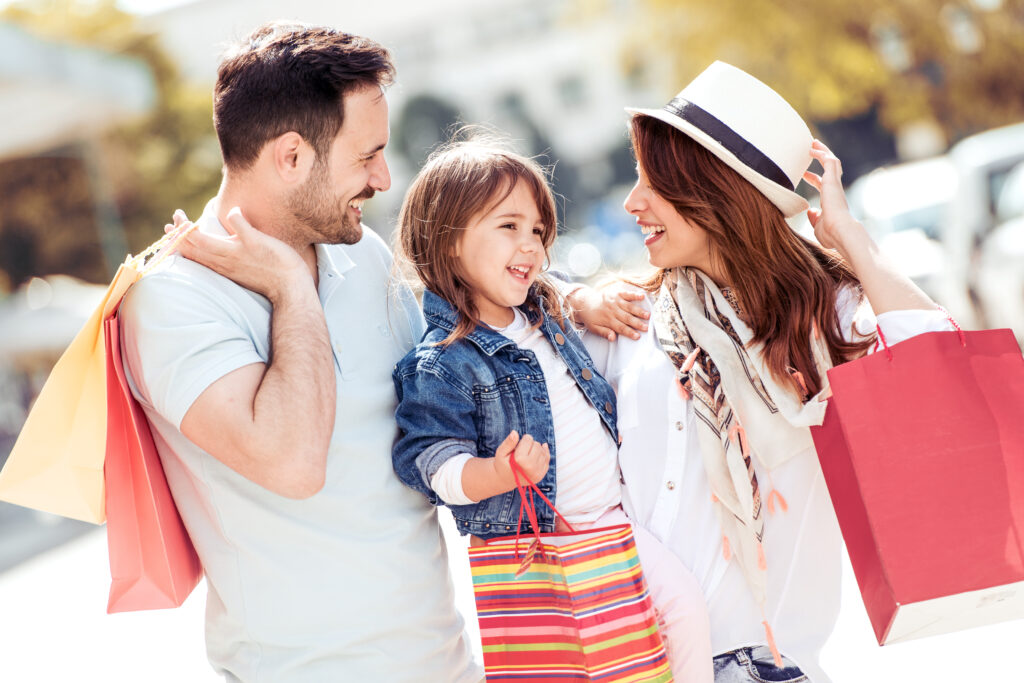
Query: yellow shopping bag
[(57, 462)]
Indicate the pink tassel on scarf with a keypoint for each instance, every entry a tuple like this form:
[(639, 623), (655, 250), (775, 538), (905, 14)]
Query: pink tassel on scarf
[(690, 360), (770, 637)]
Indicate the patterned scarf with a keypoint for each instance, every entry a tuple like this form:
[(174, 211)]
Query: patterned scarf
[(742, 411)]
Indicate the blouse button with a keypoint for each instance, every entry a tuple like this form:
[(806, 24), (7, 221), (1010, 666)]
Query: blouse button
[(587, 374), (679, 426), (559, 338), (670, 485), (607, 407)]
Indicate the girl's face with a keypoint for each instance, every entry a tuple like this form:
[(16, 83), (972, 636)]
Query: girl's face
[(672, 241), (501, 253)]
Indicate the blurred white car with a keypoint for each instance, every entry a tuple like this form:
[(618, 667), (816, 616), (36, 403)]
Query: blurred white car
[(999, 278), (904, 208), (983, 163)]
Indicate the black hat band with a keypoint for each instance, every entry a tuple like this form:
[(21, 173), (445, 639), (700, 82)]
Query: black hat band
[(751, 156)]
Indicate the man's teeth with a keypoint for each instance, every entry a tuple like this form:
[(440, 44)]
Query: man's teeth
[(357, 204), (651, 229)]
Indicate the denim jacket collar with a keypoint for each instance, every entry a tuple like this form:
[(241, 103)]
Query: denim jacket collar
[(439, 312)]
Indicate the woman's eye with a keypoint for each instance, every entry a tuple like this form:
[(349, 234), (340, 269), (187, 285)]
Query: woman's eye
[(538, 231), (509, 226)]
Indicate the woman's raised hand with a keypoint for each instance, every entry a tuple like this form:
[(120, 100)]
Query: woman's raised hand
[(249, 257), (610, 310), (833, 223)]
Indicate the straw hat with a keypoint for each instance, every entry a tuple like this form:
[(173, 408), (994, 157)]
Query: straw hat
[(747, 125)]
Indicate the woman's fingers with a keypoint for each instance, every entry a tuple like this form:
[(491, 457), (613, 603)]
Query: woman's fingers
[(813, 179)]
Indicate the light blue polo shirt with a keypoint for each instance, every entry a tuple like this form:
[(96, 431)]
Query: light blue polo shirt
[(351, 584)]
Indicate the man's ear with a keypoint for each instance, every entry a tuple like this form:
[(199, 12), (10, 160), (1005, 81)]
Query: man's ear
[(293, 157)]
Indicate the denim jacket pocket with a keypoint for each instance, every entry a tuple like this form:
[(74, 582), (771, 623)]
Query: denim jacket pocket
[(499, 411)]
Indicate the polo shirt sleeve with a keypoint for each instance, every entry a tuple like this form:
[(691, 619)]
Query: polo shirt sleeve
[(178, 338)]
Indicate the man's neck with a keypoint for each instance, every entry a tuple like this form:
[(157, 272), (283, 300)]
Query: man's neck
[(265, 214)]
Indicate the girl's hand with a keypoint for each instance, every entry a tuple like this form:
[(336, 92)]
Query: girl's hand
[(609, 310), (531, 457), (834, 226)]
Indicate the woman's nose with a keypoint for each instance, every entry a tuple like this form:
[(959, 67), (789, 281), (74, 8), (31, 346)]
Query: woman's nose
[(634, 200)]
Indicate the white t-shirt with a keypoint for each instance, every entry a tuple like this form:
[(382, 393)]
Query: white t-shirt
[(350, 584), (586, 467), (666, 491)]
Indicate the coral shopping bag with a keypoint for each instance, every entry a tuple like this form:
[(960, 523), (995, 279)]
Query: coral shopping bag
[(922, 449), (153, 563), (565, 606)]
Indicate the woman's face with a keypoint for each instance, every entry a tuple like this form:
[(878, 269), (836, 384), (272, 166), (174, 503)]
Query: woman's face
[(671, 240)]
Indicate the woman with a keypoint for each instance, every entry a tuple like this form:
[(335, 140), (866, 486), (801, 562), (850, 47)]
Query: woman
[(716, 396)]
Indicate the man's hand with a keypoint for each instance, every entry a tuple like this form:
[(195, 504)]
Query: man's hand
[(609, 311), (251, 258)]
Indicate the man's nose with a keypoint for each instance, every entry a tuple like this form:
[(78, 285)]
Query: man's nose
[(380, 176)]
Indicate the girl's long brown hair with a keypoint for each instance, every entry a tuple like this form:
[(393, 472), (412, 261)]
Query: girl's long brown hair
[(458, 183), (786, 285)]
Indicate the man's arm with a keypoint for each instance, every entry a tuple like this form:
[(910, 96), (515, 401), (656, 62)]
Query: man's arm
[(270, 423)]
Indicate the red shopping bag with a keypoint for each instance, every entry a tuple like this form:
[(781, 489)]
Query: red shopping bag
[(153, 564), (922, 449), (570, 607)]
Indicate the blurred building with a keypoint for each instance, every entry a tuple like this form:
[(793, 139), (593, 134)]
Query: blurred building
[(553, 74)]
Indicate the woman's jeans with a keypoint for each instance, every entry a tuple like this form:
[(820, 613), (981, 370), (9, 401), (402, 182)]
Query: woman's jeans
[(754, 664)]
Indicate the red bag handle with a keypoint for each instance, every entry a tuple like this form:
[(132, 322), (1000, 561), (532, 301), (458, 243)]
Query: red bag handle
[(527, 504), (888, 351)]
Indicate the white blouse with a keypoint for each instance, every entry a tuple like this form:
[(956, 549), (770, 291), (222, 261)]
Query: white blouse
[(667, 492)]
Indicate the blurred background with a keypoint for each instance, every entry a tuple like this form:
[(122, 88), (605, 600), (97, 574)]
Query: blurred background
[(106, 129)]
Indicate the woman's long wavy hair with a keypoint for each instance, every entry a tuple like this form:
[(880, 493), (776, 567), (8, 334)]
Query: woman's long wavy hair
[(786, 285), (460, 182)]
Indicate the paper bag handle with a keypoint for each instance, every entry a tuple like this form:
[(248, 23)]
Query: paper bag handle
[(888, 351)]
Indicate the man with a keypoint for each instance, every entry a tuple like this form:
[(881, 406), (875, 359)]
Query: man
[(266, 375)]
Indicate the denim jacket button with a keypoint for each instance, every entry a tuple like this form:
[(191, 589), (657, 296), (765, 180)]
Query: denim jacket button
[(508, 527), (487, 526), (607, 407), (559, 338), (587, 374)]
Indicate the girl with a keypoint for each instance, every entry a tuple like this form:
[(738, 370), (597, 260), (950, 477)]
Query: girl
[(499, 373), (717, 394)]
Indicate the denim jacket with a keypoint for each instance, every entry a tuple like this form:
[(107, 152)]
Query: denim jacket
[(467, 396)]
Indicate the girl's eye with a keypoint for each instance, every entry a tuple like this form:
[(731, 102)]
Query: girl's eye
[(509, 226), (538, 231)]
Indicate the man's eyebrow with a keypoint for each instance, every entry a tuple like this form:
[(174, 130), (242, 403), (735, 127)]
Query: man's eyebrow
[(375, 149)]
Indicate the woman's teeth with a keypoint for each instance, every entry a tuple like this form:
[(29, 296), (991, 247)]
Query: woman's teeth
[(519, 271), (651, 229)]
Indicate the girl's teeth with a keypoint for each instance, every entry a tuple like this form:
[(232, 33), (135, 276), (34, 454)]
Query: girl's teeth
[(651, 229)]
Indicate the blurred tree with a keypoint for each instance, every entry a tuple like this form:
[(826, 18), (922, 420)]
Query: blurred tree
[(169, 159), (954, 63)]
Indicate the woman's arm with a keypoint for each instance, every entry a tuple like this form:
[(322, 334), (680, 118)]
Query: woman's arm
[(885, 286)]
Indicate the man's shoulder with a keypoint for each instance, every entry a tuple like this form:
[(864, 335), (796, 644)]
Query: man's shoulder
[(179, 284)]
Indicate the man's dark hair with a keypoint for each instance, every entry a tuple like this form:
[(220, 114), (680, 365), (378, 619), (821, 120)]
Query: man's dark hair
[(291, 77)]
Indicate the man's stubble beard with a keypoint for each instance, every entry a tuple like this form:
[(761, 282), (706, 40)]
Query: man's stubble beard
[(317, 209)]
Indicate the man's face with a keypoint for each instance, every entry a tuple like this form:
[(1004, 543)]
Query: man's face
[(330, 202)]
